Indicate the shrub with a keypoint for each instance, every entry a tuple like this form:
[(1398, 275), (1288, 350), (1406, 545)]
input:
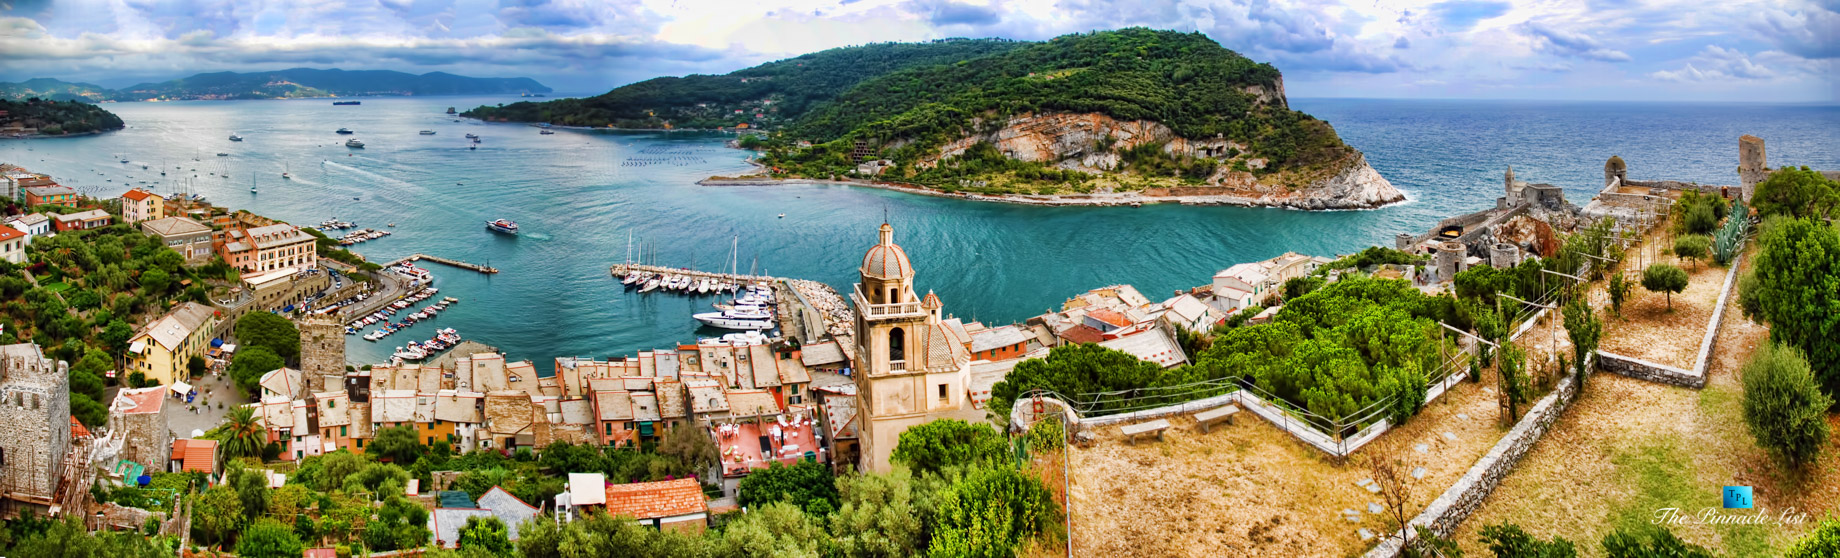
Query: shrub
[(1798, 282), (1585, 330), (944, 443), (1664, 278), (1619, 292), (1507, 540), (1824, 542), (1651, 542), (1692, 247), (1796, 193), (1783, 405)]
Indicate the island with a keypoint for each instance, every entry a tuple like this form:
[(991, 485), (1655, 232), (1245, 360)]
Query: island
[(1125, 117), (282, 84), (46, 118)]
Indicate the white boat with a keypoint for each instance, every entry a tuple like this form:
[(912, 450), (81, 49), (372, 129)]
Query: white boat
[(739, 323), (234, 137), (354, 143), (427, 132), (651, 284)]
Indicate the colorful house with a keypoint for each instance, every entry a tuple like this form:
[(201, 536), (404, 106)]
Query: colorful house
[(161, 350), (141, 205)]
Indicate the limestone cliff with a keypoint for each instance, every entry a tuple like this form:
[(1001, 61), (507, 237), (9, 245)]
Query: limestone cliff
[(1093, 142)]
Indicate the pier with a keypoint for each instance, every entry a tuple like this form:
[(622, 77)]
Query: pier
[(623, 269), (440, 260)]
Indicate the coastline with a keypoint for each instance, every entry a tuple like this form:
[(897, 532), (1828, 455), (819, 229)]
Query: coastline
[(42, 136), (1130, 199)]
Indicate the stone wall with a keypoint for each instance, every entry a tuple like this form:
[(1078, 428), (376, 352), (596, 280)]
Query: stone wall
[(147, 438), (1461, 499), (1648, 371), (35, 407), (322, 354)]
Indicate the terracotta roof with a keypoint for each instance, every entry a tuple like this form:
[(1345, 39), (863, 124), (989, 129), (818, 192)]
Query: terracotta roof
[(136, 401), (652, 500), (613, 405), (751, 402), (886, 260), (77, 430), (1082, 334), (1110, 317), (9, 233), (138, 194), (199, 456)]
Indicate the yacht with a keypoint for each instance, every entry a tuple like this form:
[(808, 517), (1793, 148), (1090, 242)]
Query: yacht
[(472, 136), (427, 132), (354, 143), (736, 320), (502, 226), (284, 173), (547, 133), (344, 130), (234, 137)]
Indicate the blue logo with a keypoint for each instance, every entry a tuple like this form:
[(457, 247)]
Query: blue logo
[(1737, 497)]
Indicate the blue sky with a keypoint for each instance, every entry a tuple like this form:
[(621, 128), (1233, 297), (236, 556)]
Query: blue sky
[(1639, 50)]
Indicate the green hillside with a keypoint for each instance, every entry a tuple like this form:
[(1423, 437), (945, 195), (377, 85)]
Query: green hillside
[(307, 82), (55, 118), (779, 91), (53, 90)]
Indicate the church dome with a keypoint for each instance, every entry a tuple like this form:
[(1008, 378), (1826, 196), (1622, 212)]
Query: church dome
[(931, 302), (886, 260)]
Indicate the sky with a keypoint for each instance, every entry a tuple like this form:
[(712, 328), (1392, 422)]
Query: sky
[(1624, 50)]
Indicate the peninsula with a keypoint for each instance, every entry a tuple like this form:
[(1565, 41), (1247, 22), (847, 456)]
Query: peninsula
[(292, 83), (1109, 118), (45, 118)]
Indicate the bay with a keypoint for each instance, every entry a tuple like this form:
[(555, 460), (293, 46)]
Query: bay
[(578, 194)]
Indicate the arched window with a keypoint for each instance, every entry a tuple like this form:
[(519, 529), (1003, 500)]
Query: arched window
[(897, 344)]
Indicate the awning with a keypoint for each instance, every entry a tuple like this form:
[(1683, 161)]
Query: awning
[(137, 346), (229, 347), (289, 308), (217, 342), (181, 387)]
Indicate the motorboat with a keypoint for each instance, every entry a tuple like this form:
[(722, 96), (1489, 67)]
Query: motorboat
[(505, 226), (745, 338), (472, 136), (735, 321), (427, 132), (547, 133), (344, 130), (354, 143)]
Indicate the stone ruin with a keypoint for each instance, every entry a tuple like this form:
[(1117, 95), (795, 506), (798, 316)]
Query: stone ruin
[(322, 354)]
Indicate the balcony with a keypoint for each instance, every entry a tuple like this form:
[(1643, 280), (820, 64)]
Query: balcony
[(884, 311)]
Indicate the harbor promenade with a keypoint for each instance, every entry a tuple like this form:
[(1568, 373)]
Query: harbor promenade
[(440, 260)]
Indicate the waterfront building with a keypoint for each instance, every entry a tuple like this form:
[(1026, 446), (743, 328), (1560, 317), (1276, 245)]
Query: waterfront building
[(1190, 313), (13, 245), (265, 248), (138, 416), (82, 220), (1246, 284), (141, 205), (34, 225), (910, 368), (189, 238), (50, 194), (162, 348), (1000, 343), (35, 407), (15, 180)]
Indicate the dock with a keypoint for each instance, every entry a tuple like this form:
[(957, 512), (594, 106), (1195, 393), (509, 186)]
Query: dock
[(622, 270), (440, 260)]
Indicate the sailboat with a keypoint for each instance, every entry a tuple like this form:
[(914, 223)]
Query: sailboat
[(252, 184), (284, 172)]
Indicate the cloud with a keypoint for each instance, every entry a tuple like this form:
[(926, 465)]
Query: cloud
[(1811, 31), (1401, 42), (1461, 15), (1717, 64), (948, 12), (1569, 44)]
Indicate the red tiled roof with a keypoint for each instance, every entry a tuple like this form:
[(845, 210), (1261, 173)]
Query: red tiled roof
[(1109, 316), (198, 455), (9, 233), (77, 430), (1082, 334), (137, 194), (651, 500)]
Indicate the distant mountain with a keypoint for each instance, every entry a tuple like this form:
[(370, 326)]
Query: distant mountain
[(768, 95), (307, 82), (294, 83), (52, 89)]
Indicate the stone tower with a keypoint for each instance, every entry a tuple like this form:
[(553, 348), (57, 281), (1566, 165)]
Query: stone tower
[(35, 407), (322, 354), (1752, 167), (1615, 171), (909, 367), (1508, 184)]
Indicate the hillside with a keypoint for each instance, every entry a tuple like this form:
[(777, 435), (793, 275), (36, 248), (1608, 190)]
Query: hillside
[(52, 89), (768, 95), (307, 82), (54, 118)]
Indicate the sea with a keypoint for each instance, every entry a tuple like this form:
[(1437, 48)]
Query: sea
[(587, 199)]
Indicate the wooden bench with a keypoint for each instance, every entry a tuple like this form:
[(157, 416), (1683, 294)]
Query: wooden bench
[(1132, 431), (1216, 414)]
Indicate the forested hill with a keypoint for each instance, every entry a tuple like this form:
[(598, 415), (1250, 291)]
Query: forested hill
[(308, 82), (55, 118), (769, 95), (52, 90)]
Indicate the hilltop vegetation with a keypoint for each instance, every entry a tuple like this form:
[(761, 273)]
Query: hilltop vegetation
[(56, 118), (53, 90), (280, 84), (780, 91)]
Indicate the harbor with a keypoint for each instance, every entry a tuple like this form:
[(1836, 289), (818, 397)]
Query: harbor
[(412, 258), (625, 271)]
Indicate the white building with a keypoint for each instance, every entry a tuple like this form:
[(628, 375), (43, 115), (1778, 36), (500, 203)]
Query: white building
[(13, 245), (1246, 284), (34, 225)]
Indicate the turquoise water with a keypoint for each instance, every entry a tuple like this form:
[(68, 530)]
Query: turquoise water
[(578, 194)]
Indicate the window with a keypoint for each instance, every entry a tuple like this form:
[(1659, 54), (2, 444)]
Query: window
[(360, 443), (942, 392), (897, 341), (341, 431)]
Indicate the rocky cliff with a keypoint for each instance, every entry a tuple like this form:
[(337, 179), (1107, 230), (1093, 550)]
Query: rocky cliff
[(1093, 143)]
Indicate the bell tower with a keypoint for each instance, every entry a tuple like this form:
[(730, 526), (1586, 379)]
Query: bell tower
[(893, 338)]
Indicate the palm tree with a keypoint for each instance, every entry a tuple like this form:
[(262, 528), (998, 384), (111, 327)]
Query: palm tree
[(243, 435)]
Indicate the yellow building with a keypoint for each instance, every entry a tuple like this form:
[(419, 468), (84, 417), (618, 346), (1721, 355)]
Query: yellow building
[(141, 205), (912, 368), (161, 349)]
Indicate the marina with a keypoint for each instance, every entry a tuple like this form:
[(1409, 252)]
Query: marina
[(445, 261)]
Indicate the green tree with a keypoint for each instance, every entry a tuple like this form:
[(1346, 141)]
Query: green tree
[(269, 538), (988, 512), (1795, 192), (878, 517), (487, 534), (401, 444), (155, 282), (1664, 278), (88, 411), (1692, 247), (1512, 366), (1783, 404), (1507, 540), (1619, 292), (243, 434), (692, 447), (248, 366), (217, 514), (943, 443), (251, 489), (1798, 282), (1651, 542), (1823, 542), (400, 524), (196, 366), (1585, 331), (262, 329), (807, 485), (68, 538), (776, 529), (1299, 286), (1073, 371), (115, 336)]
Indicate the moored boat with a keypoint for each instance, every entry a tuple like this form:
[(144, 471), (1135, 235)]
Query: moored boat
[(505, 226)]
